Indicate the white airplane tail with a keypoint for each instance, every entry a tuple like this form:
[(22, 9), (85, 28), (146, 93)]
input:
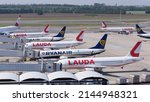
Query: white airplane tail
[(46, 29), (17, 24), (80, 36), (135, 51), (103, 24)]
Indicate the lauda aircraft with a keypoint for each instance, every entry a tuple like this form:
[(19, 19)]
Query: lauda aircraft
[(102, 62), (56, 45), (120, 30), (10, 29), (70, 53), (34, 34), (141, 33), (58, 37)]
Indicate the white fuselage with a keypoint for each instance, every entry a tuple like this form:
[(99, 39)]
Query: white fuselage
[(52, 45), (44, 39), (65, 52), (118, 29), (145, 35), (98, 62), (28, 35)]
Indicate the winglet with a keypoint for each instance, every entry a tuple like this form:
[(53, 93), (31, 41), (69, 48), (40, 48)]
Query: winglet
[(103, 24), (135, 51), (46, 29), (80, 36), (62, 32), (17, 24), (101, 43), (139, 30)]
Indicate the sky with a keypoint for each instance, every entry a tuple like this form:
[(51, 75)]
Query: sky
[(79, 2)]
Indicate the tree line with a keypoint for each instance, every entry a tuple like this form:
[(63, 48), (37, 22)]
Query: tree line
[(65, 8)]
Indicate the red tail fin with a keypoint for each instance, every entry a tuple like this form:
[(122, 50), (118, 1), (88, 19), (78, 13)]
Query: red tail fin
[(80, 36), (135, 51), (46, 29), (18, 21), (103, 25)]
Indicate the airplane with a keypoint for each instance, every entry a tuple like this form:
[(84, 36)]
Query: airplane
[(58, 37), (141, 33), (34, 34), (102, 62), (69, 53), (120, 30), (56, 45), (6, 30)]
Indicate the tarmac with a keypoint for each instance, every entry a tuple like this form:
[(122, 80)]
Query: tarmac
[(117, 45)]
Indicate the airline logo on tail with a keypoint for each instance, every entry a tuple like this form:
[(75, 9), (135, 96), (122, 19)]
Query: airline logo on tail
[(46, 29), (135, 51), (62, 32), (139, 30), (80, 36), (18, 21), (103, 24), (102, 42)]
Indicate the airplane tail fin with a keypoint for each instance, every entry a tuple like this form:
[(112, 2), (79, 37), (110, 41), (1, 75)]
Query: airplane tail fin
[(62, 32), (46, 29), (101, 43), (17, 24), (80, 36), (135, 51), (139, 30), (103, 24)]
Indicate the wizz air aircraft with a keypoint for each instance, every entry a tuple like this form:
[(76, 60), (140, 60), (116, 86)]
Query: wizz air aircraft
[(58, 37), (10, 29), (56, 45), (34, 34), (120, 30), (102, 62), (141, 33), (70, 53)]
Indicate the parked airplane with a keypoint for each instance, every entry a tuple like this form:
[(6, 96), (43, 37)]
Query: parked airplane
[(58, 37), (56, 45), (69, 53), (120, 30), (141, 33), (5, 31), (102, 62), (34, 34)]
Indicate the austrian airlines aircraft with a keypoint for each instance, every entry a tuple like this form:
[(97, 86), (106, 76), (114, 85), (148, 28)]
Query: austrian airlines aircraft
[(70, 53), (102, 62), (58, 37), (10, 29), (141, 33), (56, 45), (35, 34), (120, 30)]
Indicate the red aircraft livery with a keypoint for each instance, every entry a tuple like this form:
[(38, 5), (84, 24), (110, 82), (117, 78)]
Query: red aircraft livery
[(41, 44), (81, 62)]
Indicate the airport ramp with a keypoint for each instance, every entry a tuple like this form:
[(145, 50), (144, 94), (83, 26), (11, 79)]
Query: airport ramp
[(11, 53)]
